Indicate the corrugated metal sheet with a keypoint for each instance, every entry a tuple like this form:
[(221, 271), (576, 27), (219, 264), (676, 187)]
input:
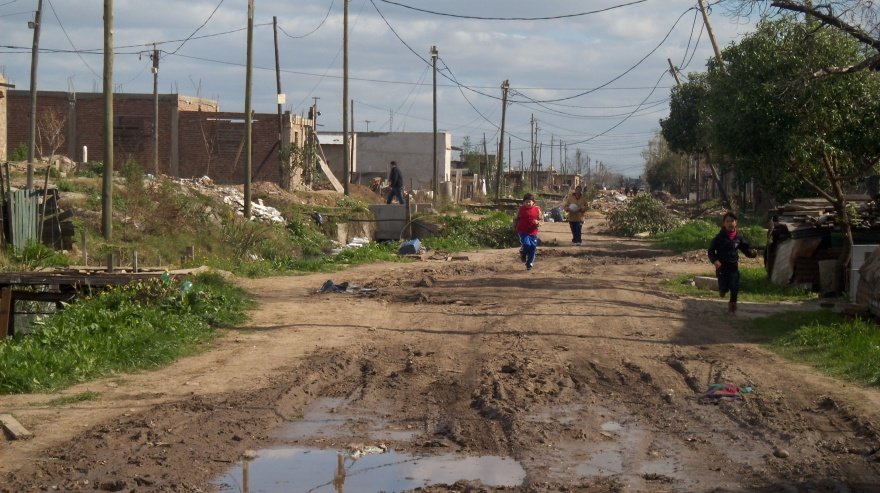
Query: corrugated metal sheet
[(24, 214)]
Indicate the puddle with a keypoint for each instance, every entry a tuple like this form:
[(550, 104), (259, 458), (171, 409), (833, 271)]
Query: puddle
[(301, 469), (330, 417)]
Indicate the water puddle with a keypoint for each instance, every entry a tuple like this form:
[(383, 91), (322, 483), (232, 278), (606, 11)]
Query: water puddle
[(331, 418), (300, 469)]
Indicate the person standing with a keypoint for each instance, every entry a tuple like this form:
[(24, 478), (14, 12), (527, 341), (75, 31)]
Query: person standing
[(575, 205), (395, 179), (528, 217), (723, 253)]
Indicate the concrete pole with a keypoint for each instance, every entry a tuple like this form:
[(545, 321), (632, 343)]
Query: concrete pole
[(248, 117), (504, 87), (709, 30), (155, 111), (435, 178), (107, 185), (346, 145), (35, 52)]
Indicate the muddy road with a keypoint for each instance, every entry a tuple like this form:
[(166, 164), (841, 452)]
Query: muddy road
[(581, 375)]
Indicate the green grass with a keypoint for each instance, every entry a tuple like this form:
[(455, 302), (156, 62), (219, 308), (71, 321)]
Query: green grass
[(848, 349), (73, 399), (696, 235), (753, 286), (458, 233), (139, 326)]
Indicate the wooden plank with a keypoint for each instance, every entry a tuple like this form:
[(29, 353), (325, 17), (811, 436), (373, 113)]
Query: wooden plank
[(337, 185), (14, 430), (5, 311)]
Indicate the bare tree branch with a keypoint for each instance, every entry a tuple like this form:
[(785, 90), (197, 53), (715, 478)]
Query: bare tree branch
[(830, 20), (872, 63)]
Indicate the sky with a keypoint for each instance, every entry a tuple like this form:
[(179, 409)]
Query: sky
[(593, 73)]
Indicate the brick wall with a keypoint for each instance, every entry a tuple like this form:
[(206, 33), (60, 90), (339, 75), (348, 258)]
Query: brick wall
[(206, 142)]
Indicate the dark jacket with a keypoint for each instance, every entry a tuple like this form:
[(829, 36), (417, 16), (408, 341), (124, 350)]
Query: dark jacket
[(395, 178), (724, 249)]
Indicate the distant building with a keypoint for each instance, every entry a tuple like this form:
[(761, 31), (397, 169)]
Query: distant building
[(413, 152), (195, 137)]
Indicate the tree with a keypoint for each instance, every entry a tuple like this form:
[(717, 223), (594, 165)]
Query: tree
[(664, 169), (686, 128), (780, 122), (51, 126), (857, 19)]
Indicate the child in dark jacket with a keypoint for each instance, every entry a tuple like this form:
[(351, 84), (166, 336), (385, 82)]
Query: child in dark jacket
[(724, 256), (528, 218)]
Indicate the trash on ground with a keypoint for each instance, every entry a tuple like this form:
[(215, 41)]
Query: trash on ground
[(345, 287), (722, 390)]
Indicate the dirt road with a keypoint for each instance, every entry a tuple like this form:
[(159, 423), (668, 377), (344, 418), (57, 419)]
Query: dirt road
[(582, 371)]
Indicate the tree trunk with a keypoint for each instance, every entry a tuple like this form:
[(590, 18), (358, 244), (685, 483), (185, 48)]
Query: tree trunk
[(716, 177)]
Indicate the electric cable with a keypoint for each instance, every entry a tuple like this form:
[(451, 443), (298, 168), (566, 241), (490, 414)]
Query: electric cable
[(564, 16), (200, 27), (313, 30), (72, 45)]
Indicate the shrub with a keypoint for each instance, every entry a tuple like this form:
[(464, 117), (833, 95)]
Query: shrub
[(20, 153), (460, 233), (643, 213)]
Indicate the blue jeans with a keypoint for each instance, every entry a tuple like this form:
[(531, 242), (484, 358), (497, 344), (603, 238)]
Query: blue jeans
[(395, 192), (576, 228), (529, 247)]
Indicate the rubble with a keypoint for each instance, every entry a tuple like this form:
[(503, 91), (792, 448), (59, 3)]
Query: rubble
[(233, 197)]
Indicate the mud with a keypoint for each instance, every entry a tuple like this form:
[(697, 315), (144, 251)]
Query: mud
[(582, 371)]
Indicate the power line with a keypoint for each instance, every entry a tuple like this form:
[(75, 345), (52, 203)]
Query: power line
[(72, 45), (17, 13), (313, 30), (630, 69), (200, 27), (461, 16)]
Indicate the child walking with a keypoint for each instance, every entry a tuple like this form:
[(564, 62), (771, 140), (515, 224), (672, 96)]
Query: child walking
[(724, 256), (528, 217)]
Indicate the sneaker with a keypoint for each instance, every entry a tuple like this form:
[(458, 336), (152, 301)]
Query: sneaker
[(528, 266)]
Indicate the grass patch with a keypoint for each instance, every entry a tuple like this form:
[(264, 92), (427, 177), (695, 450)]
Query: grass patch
[(456, 233), (754, 285), (142, 325), (696, 235), (848, 349), (72, 399)]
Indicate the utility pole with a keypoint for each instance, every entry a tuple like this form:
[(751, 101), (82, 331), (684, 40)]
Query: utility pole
[(390, 120), (434, 180), (346, 149), (107, 183), (505, 86), (283, 168), (351, 132), (674, 72), (709, 30), (35, 52), (155, 111), (368, 124), (248, 117)]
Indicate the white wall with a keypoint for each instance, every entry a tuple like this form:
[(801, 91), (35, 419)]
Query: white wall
[(413, 152)]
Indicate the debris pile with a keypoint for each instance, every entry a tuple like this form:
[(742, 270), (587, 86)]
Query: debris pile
[(608, 201), (233, 197)]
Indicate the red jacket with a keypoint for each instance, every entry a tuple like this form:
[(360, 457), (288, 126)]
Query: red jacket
[(527, 219)]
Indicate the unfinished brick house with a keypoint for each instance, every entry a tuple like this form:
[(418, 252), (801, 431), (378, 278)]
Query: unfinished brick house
[(195, 137)]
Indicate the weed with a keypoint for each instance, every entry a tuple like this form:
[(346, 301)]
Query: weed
[(33, 255), (142, 325), (67, 186), (643, 213), (72, 399), (848, 349), (696, 235), (458, 233), (754, 285), (19, 153)]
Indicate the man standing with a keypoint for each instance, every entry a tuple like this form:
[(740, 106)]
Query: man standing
[(395, 179)]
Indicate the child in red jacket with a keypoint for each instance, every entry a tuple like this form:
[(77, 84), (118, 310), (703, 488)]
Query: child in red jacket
[(528, 217)]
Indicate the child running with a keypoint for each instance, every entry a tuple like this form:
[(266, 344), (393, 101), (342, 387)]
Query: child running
[(723, 255), (528, 217)]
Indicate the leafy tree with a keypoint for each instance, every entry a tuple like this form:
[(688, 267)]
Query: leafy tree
[(781, 122), (664, 169), (686, 128)]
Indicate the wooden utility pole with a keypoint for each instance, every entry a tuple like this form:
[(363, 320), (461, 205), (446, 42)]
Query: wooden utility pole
[(351, 153), (434, 180), (155, 58), (346, 166), (505, 86), (709, 30), (248, 117), (107, 184), (283, 168), (674, 72), (32, 137)]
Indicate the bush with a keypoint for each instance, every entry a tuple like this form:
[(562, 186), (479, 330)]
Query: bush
[(643, 213), (20, 153), (460, 233)]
